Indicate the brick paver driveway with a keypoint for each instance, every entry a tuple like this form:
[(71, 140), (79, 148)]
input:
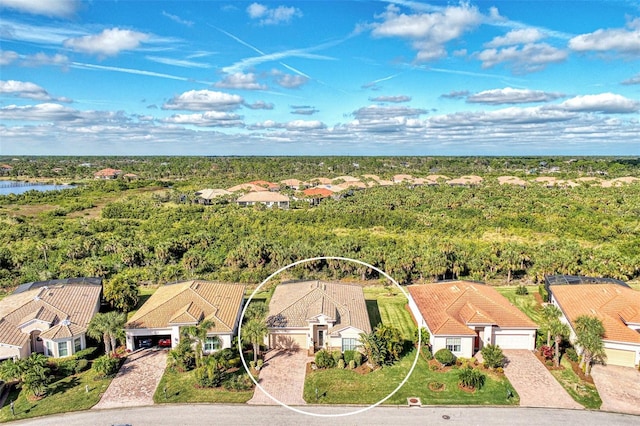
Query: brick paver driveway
[(533, 382), (136, 382), (282, 377), (619, 388)]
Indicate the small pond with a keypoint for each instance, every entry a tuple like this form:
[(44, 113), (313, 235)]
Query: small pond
[(17, 187)]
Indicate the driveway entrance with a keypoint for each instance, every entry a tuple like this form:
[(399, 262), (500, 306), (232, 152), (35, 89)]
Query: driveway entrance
[(533, 382), (619, 388), (137, 380), (282, 376)]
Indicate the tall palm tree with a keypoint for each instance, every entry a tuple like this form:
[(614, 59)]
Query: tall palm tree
[(589, 334), (115, 326), (559, 330), (253, 332), (198, 333), (550, 313), (99, 329)]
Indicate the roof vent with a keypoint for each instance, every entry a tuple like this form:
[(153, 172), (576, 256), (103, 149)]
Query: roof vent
[(65, 322)]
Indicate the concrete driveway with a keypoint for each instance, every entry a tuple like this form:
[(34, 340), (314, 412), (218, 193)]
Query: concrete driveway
[(137, 380), (282, 376), (619, 388), (533, 382)]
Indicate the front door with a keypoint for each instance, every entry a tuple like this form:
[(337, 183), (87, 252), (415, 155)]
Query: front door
[(320, 336)]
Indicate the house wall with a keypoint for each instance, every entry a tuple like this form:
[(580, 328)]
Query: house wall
[(625, 347), (132, 333), (466, 345), (289, 338), (514, 338), (8, 352)]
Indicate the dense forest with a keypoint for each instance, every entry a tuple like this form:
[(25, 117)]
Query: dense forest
[(147, 230)]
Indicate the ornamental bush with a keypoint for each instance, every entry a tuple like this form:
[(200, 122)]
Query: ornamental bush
[(106, 365), (471, 377), (521, 290), (492, 356), (324, 359), (571, 354), (445, 357)]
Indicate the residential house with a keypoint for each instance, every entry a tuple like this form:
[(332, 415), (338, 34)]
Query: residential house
[(48, 317), (612, 301), (188, 303), (465, 316), (465, 181), (247, 187), (206, 196), (107, 173), (295, 184), (5, 169), (266, 184), (313, 315), (269, 199), (315, 195)]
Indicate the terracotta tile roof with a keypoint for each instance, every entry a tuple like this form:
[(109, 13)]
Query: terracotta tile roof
[(318, 192), (73, 303), (263, 197), (615, 305), (63, 330), (191, 301), (294, 304), (247, 187), (266, 184), (107, 172), (209, 194), (449, 308)]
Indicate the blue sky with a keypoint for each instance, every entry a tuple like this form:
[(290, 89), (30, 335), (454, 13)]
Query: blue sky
[(319, 78)]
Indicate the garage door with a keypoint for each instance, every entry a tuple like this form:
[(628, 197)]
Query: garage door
[(289, 341), (620, 357), (513, 341)]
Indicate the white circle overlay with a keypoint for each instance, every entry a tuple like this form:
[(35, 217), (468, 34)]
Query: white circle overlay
[(297, 410)]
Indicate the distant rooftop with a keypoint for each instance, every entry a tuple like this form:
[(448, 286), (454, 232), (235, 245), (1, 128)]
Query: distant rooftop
[(37, 284), (578, 279)]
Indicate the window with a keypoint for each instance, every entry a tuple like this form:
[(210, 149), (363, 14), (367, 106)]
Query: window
[(47, 343), (211, 343), (454, 344), (63, 349), (349, 344), (77, 345)]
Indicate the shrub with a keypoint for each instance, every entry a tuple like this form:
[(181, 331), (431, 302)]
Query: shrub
[(324, 359), (546, 352), (521, 290), (499, 370), (352, 364), (543, 293), (88, 353), (571, 354), (106, 365), (341, 363), (337, 356), (445, 357), (348, 355), (67, 367), (471, 377), (357, 358), (81, 365), (238, 383), (209, 377), (493, 356), (426, 352), (259, 364)]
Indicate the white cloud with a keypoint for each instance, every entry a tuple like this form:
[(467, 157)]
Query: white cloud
[(42, 59), (618, 40), (61, 8), (633, 80), (522, 36), (295, 125), (27, 90), (273, 16), (177, 19), (429, 32), (528, 58), (509, 95), (608, 103), (242, 81), (204, 100), (511, 115), (207, 119), (260, 105), (51, 112), (393, 99), (290, 81), (109, 42), (377, 112), (7, 57)]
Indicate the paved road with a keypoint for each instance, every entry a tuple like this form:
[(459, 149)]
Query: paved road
[(533, 382), (199, 414)]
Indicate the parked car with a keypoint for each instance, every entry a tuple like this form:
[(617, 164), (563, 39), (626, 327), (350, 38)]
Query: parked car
[(164, 343), (145, 343)]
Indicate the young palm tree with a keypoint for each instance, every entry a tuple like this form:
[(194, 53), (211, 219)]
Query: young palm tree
[(99, 329), (550, 313), (589, 334), (559, 330), (115, 326), (198, 333)]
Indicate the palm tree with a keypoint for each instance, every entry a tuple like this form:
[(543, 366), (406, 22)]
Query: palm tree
[(559, 330), (99, 329), (115, 325), (550, 313), (589, 334), (253, 332), (198, 333)]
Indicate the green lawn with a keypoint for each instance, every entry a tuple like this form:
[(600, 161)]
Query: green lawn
[(583, 393), (181, 389), (68, 394), (526, 303), (389, 309), (343, 386)]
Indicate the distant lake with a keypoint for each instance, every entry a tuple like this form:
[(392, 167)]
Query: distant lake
[(16, 187)]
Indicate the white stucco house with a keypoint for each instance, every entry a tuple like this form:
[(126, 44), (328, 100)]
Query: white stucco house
[(187, 303), (464, 316), (615, 304), (313, 315), (48, 317)]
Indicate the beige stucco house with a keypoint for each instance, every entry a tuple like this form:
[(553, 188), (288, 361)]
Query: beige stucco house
[(188, 303), (48, 317), (267, 198), (464, 316), (316, 314)]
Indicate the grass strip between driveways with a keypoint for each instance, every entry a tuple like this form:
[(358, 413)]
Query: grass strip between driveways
[(68, 394), (582, 392), (344, 386), (181, 388)]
